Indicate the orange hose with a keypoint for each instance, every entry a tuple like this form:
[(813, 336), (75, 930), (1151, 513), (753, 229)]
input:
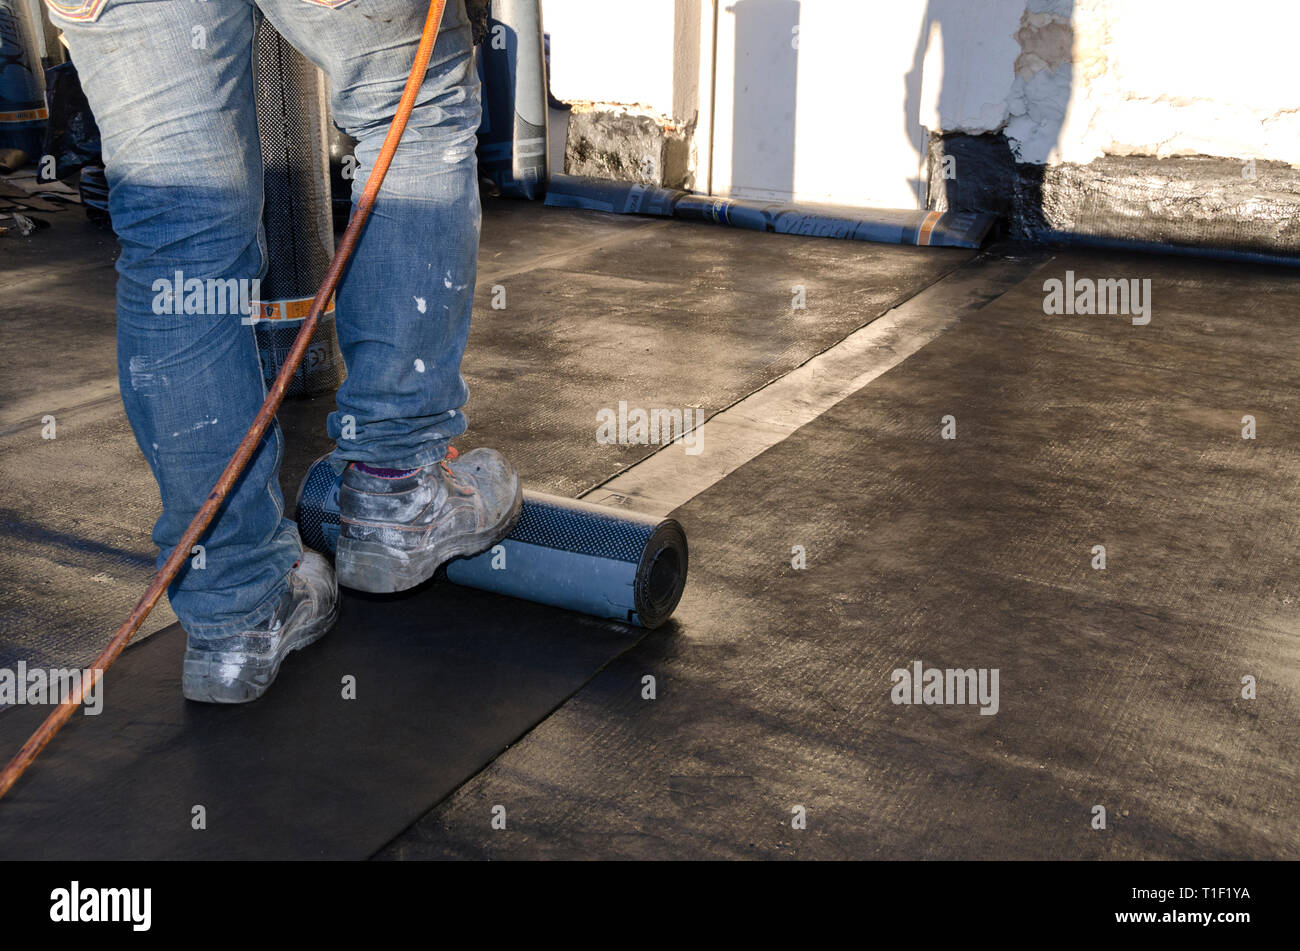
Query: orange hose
[(61, 714)]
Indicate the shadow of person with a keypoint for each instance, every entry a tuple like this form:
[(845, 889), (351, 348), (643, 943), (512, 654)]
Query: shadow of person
[(973, 154)]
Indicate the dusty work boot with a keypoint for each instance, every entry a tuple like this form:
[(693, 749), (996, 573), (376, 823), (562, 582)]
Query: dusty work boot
[(396, 528), (239, 668)]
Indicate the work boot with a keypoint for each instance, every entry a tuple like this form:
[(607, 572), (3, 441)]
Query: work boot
[(239, 668), (397, 527)]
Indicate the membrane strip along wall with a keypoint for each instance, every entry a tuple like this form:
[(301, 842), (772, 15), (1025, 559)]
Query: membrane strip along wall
[(887, 226), (605, 562)]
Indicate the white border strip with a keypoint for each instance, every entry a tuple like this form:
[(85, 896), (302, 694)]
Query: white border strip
[(670, 478)]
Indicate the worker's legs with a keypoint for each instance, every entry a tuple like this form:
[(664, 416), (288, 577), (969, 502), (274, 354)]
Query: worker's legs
[(171, 84), (171, 87), (404, 306)]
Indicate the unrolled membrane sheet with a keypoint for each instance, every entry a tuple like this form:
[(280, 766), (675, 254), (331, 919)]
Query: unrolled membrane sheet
[(883, 225), (604, 562), (621, 198)]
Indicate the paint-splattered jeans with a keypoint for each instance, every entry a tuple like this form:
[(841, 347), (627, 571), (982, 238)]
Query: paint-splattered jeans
[(171, 85)]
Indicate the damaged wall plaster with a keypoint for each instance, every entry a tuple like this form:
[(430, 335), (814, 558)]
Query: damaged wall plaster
[(1085, 78), (629, 144), (634, 73), (1044, 74), (1184, 77), (1158, 78), (1066, 81)]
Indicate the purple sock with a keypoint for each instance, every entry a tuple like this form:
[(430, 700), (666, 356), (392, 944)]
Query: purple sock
[(385, 473)]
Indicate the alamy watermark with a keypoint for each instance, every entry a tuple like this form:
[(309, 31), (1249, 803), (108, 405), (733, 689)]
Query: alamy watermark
[(946, 686), (212, 296), (40, 685), (654, 427), (1106, 296), (79, 903)]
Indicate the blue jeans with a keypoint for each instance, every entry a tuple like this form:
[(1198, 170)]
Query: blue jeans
[(171, 86)]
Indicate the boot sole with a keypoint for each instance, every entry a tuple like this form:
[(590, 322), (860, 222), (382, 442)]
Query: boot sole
[(380, 569), (202, 680)]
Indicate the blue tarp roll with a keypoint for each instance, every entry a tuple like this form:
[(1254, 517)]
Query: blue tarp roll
[(621, 198), (889, 226)]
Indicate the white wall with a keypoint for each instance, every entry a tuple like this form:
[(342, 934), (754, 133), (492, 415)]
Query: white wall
[(605, 51), (845, 117), (1185, 77), (824, 122)]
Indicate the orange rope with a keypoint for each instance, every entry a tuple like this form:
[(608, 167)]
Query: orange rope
[(61, 714)]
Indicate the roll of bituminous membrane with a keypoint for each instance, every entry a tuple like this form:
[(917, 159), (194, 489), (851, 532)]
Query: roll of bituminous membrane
[(512, 139), (571, 554), (23, 112), (292, 121)]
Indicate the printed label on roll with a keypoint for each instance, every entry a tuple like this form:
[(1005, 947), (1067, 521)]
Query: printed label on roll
[(296, 309), (25, 115)]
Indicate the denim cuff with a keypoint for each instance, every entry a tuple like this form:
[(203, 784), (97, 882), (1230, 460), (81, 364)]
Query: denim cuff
[(200, 631), (430, 453), (215, 630)]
